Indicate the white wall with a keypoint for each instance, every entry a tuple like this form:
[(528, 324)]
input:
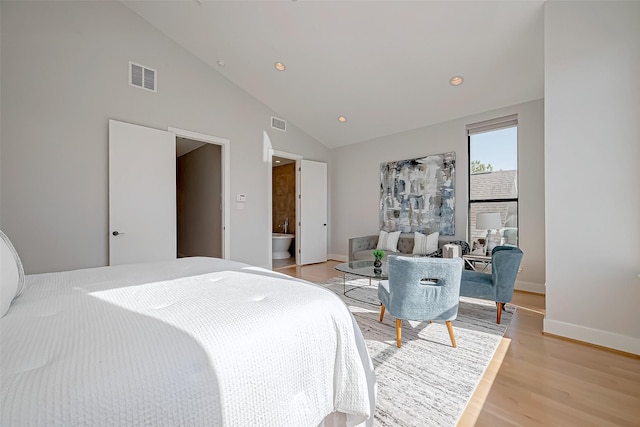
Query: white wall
[(64, 74), (592, 151), (0, 122), (355, 182)]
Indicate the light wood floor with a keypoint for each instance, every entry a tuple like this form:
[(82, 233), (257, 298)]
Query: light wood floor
[(540, 380)]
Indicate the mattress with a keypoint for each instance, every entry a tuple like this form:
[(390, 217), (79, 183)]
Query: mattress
[(195, 341)]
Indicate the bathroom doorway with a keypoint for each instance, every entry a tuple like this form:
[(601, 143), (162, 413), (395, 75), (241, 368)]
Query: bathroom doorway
[(284, 215)]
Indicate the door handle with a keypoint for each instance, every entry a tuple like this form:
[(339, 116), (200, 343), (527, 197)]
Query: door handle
[(117, 233)]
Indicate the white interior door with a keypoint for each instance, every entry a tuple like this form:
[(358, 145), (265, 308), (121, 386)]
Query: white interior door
[(142, 194), (313, 212)]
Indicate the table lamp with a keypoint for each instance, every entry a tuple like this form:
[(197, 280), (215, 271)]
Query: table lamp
[(490, 221)]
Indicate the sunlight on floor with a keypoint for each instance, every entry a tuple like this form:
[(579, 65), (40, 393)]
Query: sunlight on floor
[(476, 403), (539, 311)]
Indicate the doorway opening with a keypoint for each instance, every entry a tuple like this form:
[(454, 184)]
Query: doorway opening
[(202, 186), (198, 198), (285, 210)]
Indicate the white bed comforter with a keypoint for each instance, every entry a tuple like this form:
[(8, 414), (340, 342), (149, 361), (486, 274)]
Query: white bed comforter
[(196, 341)]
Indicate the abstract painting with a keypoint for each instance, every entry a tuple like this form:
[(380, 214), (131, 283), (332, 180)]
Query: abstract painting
[(419, 194)]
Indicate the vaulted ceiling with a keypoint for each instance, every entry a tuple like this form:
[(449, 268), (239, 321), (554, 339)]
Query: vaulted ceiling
[(384, 65)]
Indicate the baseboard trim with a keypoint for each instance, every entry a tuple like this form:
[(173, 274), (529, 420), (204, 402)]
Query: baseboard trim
[(341, 258), (588, 344), (609, 340), (535, 288)]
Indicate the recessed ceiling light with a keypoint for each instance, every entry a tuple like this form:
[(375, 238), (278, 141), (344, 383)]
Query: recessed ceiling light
[(279, 66), (342, 119), (220, 63), (277, 161), (456, 81)]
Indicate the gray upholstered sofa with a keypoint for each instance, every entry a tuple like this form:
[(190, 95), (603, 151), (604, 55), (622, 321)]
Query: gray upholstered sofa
[(360, 248)]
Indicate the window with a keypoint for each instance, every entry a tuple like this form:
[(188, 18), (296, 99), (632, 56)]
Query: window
[(493, 182)]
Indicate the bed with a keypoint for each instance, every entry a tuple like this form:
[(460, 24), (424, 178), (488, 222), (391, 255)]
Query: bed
[(193, 341)]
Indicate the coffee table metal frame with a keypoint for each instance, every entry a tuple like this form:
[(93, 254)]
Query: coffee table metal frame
[(363, 269)]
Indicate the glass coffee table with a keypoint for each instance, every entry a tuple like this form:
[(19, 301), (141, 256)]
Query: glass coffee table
[(362, 269)]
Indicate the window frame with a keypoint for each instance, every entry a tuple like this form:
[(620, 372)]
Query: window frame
[(484, 127)]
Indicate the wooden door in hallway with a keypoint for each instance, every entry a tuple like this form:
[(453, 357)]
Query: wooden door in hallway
[(313, 212)]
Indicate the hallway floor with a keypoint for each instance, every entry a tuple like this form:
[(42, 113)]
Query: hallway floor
[(281, 263)]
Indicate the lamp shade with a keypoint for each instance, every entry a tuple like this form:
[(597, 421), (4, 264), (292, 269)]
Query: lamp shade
[(488, 221)]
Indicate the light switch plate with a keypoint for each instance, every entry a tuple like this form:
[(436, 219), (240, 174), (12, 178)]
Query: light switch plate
[(241, 197)]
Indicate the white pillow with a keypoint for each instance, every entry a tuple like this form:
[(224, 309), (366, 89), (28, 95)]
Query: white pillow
[(388, 241), (11, 274), (425, 245)]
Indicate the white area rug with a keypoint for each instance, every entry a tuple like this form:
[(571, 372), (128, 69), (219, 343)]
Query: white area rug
[(426, 382)]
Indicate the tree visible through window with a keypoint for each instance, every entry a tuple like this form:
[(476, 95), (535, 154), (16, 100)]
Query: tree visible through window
[(493, 179), (477, 167)]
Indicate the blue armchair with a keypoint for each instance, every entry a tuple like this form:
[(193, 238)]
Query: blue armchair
[(421, 288), (498, 285)]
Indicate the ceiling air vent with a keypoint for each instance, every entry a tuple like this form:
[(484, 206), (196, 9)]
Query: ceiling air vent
[(278, 124), (142, 77)]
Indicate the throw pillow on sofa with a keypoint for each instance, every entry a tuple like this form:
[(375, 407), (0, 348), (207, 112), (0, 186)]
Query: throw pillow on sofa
[(388, 241), (425, 245)]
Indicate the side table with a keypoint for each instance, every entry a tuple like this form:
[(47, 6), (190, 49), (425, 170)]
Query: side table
[(480, 263)]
